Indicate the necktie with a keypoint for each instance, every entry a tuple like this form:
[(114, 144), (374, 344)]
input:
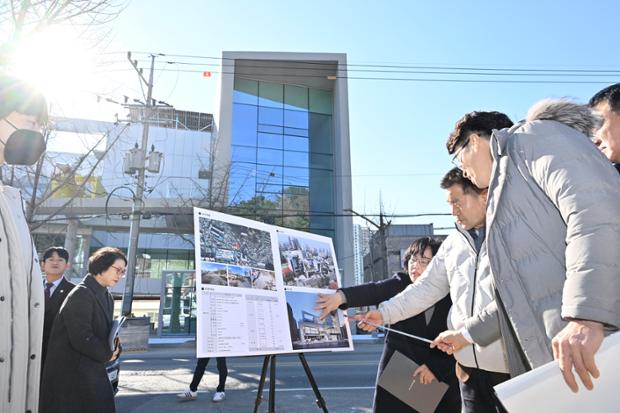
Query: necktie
[(48, 290)]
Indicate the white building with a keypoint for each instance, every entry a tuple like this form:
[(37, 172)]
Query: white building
[(361, 239)]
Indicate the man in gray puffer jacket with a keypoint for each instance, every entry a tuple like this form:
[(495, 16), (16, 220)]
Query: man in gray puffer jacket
[(553, 231)]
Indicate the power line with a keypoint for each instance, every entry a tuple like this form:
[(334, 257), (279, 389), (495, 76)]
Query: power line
[(437, 70), (399, 79), (403, 66), (329, 71)]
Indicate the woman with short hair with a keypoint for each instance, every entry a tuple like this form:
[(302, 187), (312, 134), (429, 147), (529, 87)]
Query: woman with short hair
[(434, 365), (74, 377)]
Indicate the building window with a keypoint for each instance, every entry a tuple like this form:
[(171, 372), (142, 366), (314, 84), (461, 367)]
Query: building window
[(282, 155)]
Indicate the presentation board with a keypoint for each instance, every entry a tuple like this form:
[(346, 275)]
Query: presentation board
[(256, 287)]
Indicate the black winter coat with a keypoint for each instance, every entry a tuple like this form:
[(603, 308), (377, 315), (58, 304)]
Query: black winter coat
[(441, 364), (74, 376), (52, 306)]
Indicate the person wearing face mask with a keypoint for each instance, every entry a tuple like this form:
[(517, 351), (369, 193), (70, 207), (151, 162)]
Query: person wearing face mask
[(461, 269), (23, 110), (74, 376), (428, 323)]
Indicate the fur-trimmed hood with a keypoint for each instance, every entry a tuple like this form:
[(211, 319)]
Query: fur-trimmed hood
[(574, 115)]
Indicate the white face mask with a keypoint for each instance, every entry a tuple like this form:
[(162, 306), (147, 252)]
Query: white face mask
[(23, 146)]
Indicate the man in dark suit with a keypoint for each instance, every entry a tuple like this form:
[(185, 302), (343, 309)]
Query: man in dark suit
[(56, 288)]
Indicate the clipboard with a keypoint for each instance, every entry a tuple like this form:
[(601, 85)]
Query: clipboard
[(116, 328), (397, 378)]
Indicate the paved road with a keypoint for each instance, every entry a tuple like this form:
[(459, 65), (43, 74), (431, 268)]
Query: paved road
[(150, 380)]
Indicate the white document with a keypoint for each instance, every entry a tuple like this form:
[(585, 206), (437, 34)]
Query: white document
[(114, 331), (256, 287), (544, 390)]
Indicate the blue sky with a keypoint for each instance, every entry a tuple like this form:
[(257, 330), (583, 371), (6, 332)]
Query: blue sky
[(302, 301), (398, 129)]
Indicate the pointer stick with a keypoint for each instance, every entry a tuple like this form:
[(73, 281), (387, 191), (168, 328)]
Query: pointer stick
[(396, 331)]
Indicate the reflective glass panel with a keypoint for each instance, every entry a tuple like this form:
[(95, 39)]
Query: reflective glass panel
[(295, 97), (321, 190), (243, 154), (296, 119), (270, 129), (270, 116), (244, 120), (296, 176), (269, 156), (242, 186), (295, 143), (269, 140), (321, 133), (296, 131), (271, 174), (270, 94), (299, 159), (320, 101), (245, 91)]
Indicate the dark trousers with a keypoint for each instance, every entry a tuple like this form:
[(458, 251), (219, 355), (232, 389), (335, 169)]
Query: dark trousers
[(477, 392), (199, 371)]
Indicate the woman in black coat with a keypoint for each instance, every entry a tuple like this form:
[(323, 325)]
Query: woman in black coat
[(434, 365), (74, 377)]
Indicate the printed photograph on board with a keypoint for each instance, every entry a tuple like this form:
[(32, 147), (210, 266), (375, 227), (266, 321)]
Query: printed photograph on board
[(234, 244), (239, 277), (213, 273), (306, 262), (263, 279), (307, 330)]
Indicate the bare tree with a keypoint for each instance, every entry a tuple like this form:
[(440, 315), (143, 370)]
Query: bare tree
[(60, 176), (29, 16), (20, 19)]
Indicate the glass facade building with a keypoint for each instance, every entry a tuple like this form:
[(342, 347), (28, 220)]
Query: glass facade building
[(282, 144), (282, 154)]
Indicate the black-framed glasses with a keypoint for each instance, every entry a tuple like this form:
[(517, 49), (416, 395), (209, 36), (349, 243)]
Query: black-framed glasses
[(119, 271), (455, 159), (420, 260)]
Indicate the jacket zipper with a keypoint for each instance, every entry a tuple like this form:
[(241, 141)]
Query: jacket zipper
[(473, 295)]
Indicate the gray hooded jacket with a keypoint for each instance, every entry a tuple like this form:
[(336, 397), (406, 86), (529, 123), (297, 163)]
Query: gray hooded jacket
[(553, 232)]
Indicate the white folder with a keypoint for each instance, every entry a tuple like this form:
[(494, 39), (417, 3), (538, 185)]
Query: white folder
[(544, 390)]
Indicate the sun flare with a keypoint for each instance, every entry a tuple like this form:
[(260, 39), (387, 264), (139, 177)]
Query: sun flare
[(55, 61)]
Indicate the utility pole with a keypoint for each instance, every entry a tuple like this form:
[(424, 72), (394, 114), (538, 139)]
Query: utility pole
[(138, 202), (382, 227)]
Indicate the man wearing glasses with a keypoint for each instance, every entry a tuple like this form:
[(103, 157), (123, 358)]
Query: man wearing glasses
[(460, 268), (553, 230)]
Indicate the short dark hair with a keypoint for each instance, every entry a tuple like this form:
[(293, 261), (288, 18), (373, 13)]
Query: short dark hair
[(104, 258), (455, 177), (17, 96), (62, 253), (482, 123), (609, 95), (419, 246)]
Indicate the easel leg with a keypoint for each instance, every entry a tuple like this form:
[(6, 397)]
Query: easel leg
[(272, 386), (319, 399), (261, 384)]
